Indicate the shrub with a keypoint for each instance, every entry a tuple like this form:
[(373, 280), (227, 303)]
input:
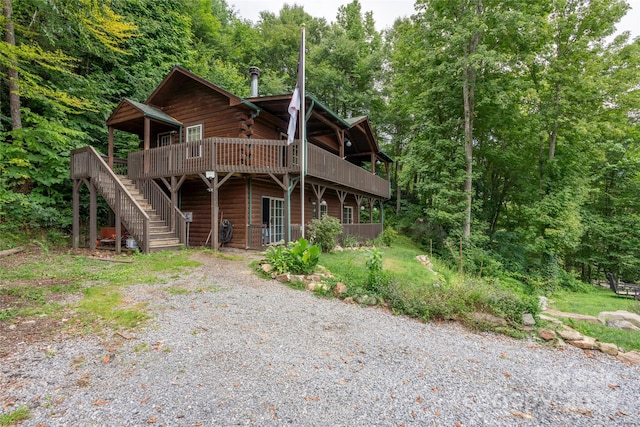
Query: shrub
[(300, 257), (387, 237), (350, 241), (324, 232)]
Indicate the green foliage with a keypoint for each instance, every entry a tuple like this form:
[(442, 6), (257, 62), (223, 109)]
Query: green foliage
[(387, 237), (300, 257), (378, 279), (324, 232), (15, 417), (350, 241)]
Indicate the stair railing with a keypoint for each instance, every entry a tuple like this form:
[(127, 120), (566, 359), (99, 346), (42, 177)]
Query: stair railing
[(161, 203), (134, 218)]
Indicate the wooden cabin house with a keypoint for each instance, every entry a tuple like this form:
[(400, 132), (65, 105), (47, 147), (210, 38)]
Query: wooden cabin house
[(216, 169)]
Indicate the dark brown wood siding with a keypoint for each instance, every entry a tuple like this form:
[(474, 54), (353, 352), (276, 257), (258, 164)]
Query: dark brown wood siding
[(194, 104), (232, 198)]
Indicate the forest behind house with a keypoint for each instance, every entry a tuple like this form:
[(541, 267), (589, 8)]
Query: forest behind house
[(514, 125)]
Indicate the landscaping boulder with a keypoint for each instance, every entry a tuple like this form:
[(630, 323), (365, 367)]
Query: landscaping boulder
[(528, 320), (607, 348), (546, 334), (542, 303), (607, 317), (569, 334), (339, 289), (631, 357), (487, 318), (586, 343), (266, 268)]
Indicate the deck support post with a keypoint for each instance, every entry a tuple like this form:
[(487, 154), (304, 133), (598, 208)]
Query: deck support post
[(118, 223), (342, 195), (215, 222), (93, 215), (287, 207), (77, 183)]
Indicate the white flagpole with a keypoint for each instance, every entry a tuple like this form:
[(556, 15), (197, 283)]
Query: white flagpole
[(302, 122)]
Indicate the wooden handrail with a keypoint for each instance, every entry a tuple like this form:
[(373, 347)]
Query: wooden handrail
[(87, 163)]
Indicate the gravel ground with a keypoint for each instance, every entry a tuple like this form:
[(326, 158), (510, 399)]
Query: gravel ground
[(238, 350)]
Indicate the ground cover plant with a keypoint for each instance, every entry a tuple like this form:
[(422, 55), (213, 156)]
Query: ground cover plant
[(429, 290)]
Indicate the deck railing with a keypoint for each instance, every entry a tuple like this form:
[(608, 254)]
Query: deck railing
[(215, 154), (363, 232), (87, 163), (228, 155), (328, 166), (172, 217)]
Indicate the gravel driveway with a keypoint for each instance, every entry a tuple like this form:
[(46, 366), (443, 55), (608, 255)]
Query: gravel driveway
[(239, 350)]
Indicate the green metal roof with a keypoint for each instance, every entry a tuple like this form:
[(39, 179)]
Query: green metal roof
[(154, 113)]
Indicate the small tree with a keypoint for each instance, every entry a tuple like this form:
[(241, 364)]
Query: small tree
[(324, 232)]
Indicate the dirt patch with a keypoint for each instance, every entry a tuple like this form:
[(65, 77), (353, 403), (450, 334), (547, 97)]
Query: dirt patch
[(20, 331)]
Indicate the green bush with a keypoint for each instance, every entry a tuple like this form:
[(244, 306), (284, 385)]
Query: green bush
[(300, 257), (324, 232), (387, 237), (378, 280)]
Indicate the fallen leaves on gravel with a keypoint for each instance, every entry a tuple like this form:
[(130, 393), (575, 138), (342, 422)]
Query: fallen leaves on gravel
[(101, 402), (526, 415), (614, 386)]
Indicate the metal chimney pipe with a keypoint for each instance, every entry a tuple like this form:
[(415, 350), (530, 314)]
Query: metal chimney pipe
[(254, 72)]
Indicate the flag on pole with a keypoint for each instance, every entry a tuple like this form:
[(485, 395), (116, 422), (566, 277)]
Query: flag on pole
[(294, 105)]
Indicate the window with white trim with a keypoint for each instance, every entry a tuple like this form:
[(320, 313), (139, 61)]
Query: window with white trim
[(347, 215), (193, 134), (164, 139)]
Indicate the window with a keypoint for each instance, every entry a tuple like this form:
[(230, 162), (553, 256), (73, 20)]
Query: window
[(324, 210), (347, 215), (164, 139), (194, 133)]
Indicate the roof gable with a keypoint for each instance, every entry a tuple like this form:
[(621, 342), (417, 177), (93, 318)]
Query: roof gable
[(164, 92)]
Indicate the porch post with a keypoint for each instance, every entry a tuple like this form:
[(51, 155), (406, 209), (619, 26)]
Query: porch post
[(215, 223), (110, 147), (287, 207), (93, 216), (371, 203), (118, 223), (77, 183), (147, 143)]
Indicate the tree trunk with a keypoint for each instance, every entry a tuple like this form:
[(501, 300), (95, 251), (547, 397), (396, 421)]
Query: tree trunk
[(12, 71), (468, 93)]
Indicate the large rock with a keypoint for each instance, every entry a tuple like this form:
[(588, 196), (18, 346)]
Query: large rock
[(528, 320), (546, 334), (569, 334), (574, 316), (631, 357), (610, 349), (266, 268), (339, 289), (284, 278), (487, 318), (622, 324), (611, 316), (542, 303), (586, 343)]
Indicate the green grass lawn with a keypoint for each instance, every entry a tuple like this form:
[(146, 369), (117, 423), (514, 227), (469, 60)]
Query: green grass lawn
[(592, 302)]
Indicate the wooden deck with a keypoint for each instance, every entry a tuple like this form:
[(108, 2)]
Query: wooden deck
[(241, 155)]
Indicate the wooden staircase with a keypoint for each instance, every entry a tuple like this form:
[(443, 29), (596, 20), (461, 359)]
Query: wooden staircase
[(161, 237)]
